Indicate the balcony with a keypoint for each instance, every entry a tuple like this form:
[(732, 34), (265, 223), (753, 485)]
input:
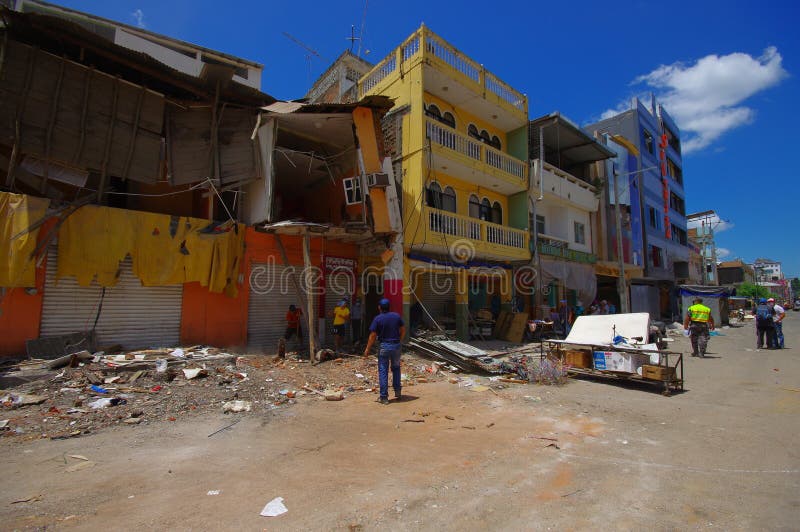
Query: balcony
[(448, 231), (473, 161), (453, 76), (556, 247), (564, 187)]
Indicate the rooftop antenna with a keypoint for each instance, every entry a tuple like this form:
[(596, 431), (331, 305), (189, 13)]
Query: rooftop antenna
[(310, 52), (363, 26), (353, 38)]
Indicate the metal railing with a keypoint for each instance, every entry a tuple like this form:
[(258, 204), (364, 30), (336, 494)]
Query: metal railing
[(573, 255), (436, 47), (458, 226), (450, 138)]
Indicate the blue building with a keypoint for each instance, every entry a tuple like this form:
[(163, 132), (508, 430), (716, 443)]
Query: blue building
[(655, 172)]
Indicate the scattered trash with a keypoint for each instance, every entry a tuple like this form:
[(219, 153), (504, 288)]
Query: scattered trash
[(479, 388), (193, 373), (178, 353), (413, 421), (467, 427), (274, 508), (78, 457), (105, 402), (237, 406), (359, 376), (21, 399), (224, 428), (98, 389), (4, 424), (451, 418), (161, 365), (213, 492), (132, 420), (34, 498)]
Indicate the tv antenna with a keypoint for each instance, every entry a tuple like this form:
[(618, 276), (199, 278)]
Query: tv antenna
[(310, 52)]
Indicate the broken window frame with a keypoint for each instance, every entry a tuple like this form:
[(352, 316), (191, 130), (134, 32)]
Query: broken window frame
[(352, 189)]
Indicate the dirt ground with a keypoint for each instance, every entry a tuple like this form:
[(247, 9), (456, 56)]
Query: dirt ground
[(587, 455)]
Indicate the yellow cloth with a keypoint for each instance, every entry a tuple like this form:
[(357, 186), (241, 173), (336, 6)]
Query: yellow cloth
[(340, 315), (164, 249), (17, 213), (699, 313)]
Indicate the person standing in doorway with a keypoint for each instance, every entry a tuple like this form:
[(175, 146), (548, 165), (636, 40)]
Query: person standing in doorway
[(293, 328), (699, 322), (388, 329), (777, 318), (765, 324), (355, 320), (341, 315)]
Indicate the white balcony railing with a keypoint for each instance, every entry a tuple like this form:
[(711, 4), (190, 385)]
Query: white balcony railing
[(449, 138), (458, 226)]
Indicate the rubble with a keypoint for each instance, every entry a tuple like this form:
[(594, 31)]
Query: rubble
[(127, 389)]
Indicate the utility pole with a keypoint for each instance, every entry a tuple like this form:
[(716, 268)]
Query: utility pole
[(622, 284)]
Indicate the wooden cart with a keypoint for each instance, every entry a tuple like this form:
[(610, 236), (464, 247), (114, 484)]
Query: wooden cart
[(667, 373)]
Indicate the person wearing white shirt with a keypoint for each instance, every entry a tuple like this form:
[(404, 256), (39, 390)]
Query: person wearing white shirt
[(780, 313)]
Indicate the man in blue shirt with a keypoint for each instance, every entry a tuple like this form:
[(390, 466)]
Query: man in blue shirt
[(388, 328)]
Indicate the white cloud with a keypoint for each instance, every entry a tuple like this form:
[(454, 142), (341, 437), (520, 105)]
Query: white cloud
[(705, 97), (138, 16), (723, 252)]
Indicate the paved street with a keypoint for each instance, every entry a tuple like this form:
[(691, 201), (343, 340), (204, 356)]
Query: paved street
[(588, 455)]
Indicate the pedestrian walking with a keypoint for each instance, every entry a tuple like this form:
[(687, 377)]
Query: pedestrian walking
[(341, 315), (765, 325), (388, 329), (698, 322), (293, 328), (777, 318)]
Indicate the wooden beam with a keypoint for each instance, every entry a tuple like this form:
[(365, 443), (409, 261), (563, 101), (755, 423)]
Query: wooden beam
[(109, 136), (20, 109), (51, 121), (307, 271), (306, 303), (134, 131)]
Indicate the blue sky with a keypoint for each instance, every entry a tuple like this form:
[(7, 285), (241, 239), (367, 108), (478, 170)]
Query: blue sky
[(727, 72)]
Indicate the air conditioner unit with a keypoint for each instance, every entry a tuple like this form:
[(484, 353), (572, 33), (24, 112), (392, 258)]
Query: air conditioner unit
[(377, 180)]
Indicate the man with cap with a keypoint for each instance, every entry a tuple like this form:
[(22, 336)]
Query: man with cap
[(698, 322), (777, 318), (341, 315), (765, 324), (388, 329)]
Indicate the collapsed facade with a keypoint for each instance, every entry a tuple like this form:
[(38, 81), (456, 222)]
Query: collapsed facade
[(143, 202)]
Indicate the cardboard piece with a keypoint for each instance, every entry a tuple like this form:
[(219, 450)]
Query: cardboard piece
[(623, 362)]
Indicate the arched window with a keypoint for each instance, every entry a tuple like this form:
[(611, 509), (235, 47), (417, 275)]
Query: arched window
[(472, 131), (486, 210), (485, 137), (496, 143), (474, 206), (434, 195), (433, 111), (449, 119), (449, 200), (497, 213)]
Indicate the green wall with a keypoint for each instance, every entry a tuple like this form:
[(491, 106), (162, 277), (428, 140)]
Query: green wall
[(518, 210), (517, 141)]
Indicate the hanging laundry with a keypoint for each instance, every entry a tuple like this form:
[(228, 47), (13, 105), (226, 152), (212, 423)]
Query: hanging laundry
[(19, 212)]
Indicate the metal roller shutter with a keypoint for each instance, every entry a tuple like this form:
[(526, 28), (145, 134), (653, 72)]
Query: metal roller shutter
[(132, 315), (271, 293), (437, 291)]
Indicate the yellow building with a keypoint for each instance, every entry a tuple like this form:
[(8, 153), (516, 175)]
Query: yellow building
[(458, 137)]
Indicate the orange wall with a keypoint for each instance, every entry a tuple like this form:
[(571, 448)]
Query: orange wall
[(216, 319), (20, 313)]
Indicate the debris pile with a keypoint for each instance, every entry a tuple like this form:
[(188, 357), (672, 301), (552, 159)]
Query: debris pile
[(83, 392)]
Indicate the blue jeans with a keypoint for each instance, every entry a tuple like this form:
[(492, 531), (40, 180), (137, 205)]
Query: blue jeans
[(389, 353), (779, 334)]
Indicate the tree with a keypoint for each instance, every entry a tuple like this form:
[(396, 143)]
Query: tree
[(753, 290), (796, 285)]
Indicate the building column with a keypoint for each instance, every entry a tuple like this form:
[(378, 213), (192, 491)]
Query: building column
[(506, 293), (462, 305)]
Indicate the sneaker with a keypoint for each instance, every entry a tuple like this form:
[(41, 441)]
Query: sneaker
[(384, 400), (398, 396)]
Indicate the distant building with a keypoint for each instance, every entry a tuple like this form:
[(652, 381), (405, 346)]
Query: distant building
[(735, 272), (767, 270), (658, 166), (702, 227), (339, 83)]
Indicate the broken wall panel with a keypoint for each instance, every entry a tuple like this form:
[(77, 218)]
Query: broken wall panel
[(191, 147), (67, 111)]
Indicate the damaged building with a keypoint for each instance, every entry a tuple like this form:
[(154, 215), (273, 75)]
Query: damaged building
[(153, 195)]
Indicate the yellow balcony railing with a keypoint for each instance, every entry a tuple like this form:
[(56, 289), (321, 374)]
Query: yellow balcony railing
[(449, 138), (427, 45), (485, 236)]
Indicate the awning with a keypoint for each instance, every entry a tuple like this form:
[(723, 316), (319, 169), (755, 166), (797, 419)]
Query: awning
[(575, 276), (704, 291), (563, 136), (611, 269)]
